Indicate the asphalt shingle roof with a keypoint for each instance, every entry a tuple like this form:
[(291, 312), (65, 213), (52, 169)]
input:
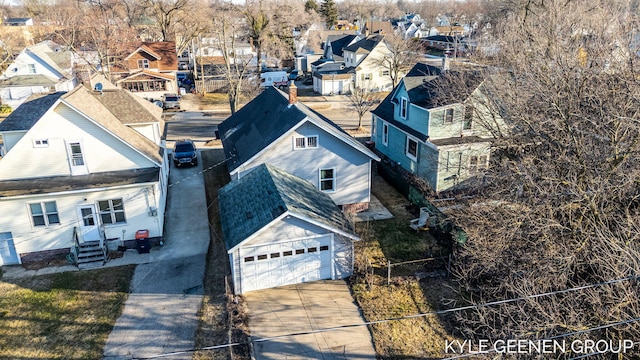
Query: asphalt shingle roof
[(26, 115), (263, 120), (28, 80), (365, 45), (255, 200)]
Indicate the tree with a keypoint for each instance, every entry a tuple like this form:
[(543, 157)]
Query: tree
[(329, 11), (559, 207), (400, 57), (311, 5), (258, 28), (167, 14), (227, 30), (363, 100)]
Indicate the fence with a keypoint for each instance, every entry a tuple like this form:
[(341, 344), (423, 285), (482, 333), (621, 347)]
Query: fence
[(439, 262), (212, 85)]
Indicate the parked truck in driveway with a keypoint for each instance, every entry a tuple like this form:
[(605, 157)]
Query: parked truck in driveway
[(273, 78)]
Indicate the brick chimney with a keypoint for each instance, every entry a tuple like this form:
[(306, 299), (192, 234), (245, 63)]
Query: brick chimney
[(293, 93)]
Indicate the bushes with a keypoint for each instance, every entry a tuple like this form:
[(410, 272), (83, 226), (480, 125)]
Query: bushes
[(5, 109)]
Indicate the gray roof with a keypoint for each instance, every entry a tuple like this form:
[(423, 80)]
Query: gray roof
[(255, 200), (112, 109), (26, 115), (267, 117), (54, 184), (53, 55), (104, 108), (365, 45), (28, 80)]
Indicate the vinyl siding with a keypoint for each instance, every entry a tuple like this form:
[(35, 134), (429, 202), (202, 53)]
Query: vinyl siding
[(352, 166), (395, 150), (102, 151), (438, 129), (11, 139), (368, 66), (29, 238), (459, 157), (150, 131)]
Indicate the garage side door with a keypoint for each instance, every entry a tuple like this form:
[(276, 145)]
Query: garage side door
[(285, 263)]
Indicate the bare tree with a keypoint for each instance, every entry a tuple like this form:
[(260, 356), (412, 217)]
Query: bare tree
[(167, 14), (400, 57), (363, 100), (559, 207), (228, 30)]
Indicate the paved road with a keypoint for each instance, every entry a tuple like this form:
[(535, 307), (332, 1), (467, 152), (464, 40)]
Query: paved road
[(160, 315)]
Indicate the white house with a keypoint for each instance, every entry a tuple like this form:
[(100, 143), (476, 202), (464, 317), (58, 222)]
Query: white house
[(276, 129), (83, 171), (280, 229), (41, 68), (363, 57)]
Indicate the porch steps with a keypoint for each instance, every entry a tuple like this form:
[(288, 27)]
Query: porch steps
[(90, 255)]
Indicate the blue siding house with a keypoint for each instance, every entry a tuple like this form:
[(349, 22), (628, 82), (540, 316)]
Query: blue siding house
[(440, 138)]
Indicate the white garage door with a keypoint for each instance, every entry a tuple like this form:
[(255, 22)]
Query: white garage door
[(285, 263)]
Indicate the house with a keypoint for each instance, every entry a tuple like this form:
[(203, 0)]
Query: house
[(364, 58), (83, 170), (280, 229), (377, 28), (41, 68), (276, 129), (148, 70), (442, 139)]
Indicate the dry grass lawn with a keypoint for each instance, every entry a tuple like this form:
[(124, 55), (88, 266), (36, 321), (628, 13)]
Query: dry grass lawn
[(61, 316), (421, 337)]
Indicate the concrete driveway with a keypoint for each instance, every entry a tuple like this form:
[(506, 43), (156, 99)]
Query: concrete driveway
[(160, 315), (303, 308)]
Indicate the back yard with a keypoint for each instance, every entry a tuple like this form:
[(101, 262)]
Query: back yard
[(414, 289)]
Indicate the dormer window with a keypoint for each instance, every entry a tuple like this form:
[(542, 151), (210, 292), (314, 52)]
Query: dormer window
[(305, 142), (404, 104), (143, 64)]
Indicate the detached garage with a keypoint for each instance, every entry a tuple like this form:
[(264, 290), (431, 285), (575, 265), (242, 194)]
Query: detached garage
[(280, 230)]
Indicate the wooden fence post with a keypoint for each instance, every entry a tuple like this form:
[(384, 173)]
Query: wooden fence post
[(388, 272)]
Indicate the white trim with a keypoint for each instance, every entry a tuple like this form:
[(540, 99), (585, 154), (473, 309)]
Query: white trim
[(79, 191), (334, 180), (333, 256), (141, 49), (328, 128), (40, 143), (159, 164), (82, 169), (406, 148), (256, 233), (385, 125), (404, 103)]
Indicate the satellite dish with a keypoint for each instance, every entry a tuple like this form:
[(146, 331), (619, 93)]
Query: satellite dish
[(98, 87)]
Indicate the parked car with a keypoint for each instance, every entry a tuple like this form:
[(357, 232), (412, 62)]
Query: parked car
[(184, 152), (295, 75), (171, 101)]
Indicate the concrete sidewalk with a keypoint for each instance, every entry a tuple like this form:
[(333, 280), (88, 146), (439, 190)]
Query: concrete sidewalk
[(303, 308), (160, 315)]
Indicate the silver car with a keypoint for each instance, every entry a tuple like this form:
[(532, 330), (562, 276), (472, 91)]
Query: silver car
[(171, 101)]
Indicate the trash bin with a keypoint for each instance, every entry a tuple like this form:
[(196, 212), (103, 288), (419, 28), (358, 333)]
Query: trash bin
[(142, 241)]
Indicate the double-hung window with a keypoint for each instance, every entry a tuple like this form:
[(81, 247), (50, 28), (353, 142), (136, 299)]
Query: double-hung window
[(404, 104), (328, 179), (385, 134), (411, 149), (305, 142), (44, 213), (468, 118), (448, 116), (111, 211)]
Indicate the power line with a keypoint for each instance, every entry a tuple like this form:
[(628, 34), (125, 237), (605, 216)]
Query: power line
[(435, 312)]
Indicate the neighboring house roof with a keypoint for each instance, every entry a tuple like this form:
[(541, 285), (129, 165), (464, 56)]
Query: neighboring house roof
[(365, 45), (267, 193), (24, 117), (164, 51), (265, 119), (104, 107), (28, 80), (428, 88), (53, 55), (112, 109), (148, 74), (338, 42), (16, 20), (378, 27), (54, 184)]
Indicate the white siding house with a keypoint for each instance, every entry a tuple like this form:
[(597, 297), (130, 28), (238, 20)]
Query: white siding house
[(82, 167), (278, 130), (41, 68)]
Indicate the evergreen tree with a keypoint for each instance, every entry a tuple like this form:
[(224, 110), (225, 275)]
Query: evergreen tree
[(329, 11), (311, 5)]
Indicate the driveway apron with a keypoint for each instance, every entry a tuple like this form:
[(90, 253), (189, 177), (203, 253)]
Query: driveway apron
[(303, 308), (160, 315)]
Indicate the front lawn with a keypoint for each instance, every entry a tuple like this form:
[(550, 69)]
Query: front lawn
[(61, 316)]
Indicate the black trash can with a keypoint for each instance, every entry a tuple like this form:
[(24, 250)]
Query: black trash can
[(142, 241)]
